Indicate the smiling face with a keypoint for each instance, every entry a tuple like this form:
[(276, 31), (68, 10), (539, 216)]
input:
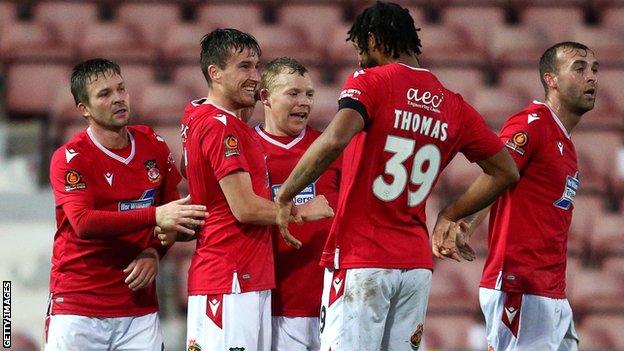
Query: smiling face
[(576, 79), (288, 103), (108, 104), (239, 78)]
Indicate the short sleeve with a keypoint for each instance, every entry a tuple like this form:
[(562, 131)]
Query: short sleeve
[(172, 178), (478, 142), (521, 138), (222, 147), (69, 178), (361, 93)]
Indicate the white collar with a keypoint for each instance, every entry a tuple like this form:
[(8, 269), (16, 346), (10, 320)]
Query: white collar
[(413, 68), (110, 153), (268, 138), (555, 117)]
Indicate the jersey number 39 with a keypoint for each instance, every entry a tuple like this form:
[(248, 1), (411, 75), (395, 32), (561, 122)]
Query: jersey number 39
[(402, 149)]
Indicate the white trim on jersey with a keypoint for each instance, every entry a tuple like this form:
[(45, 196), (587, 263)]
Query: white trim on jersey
[(414, 68), (268, 138), (110, 153), (236, 289), (555, 117)]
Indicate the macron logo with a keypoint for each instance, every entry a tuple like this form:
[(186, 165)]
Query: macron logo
[(337, 284), (357, 73), (70, 154), (109, 178), (511, 313), (214, 306), (221, 119), (533, 117)]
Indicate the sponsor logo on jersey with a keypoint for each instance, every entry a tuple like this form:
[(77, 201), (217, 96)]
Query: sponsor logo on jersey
[(152, 171), (231, 146), (517, 142), (237, 349), (351, 94), (73, 181), (146, 200), (193, 345), (424, 99), (569, 192), (416, 338), (304, 196)]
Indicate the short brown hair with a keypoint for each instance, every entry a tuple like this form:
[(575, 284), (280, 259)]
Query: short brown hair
[(280, 65)]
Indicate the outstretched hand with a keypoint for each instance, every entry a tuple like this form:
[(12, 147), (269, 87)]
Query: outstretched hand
[(174, 215), (143, 269), (443, 239)]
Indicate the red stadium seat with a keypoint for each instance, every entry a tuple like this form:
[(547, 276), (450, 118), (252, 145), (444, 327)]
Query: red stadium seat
[(32, 41), (339, 51), (609, 327), (171, 134), (246, 15), (7, 13), (317, 20), (25, 93), (597, 150), (608, 229), (487, 100), (517, 45), (448, 45), (282, 40), (609, 84), (325, 105), (69, 17), (557, 21), (136, 77), (181, 42), (587, 211), (191, 77), (525, 79), (118, 41), (594, 290), (477, 21), (160, 103), (448, 332), (450, 289), (151, 19), (612, 17)]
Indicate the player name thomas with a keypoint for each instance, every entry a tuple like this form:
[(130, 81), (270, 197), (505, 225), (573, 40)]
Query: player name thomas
[(427, 126)]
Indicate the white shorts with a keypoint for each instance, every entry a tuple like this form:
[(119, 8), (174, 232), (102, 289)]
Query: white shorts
[(523, 322), (229, 322), (68, 332), (374, 309), (295, 334)]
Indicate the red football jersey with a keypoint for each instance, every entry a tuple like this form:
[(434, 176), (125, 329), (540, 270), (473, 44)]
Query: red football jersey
[(414, 127), (529, 223), (230, 256), (87, 274), (299, 276)]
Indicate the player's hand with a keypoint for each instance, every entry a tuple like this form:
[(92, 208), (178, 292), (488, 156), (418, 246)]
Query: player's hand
[(176, 214), (285, 216), (142, 269), (166, 238), (443, 239), (464, 232), (315, 209)]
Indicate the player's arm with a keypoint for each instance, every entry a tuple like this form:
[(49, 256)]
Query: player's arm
[(248, 207), (325, 149), (499, 173)]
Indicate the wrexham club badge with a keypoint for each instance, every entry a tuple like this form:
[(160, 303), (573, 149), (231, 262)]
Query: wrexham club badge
[(416, 337), (152, 171)]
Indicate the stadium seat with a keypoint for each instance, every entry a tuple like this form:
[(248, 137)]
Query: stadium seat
[(587, 211), (448, 332), (151, 19), (598, 160), (448, 45), (69, 17), (63, 108), (612, 17), (497, 104), (316, 20), (608, 229), (594, 338), (460, 80), (611, 326), (283, 40), (118, 41), (525, 79), (182, 42), (517, 45), (450, 289), (340, 52), (609, 84), (160, 103), (594, 290), (7, 13), (245, 15), (478, 21), (325, 105), (171, 134), (136, 77), (556, 21), (191, 77), (31, 87), (32, 41)]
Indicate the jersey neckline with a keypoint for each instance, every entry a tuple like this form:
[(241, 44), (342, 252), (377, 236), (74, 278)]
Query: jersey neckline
[(111, 154), (269, 139), (555, 117)]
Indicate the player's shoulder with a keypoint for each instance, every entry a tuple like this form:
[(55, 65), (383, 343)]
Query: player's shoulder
[(312, 133), (532, 116), (78, 145)]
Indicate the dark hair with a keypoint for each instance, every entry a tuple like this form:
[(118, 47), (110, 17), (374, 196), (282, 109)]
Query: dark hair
[(86, 72), (548, 61), (280, 65), (217, 46), (391, 25)]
